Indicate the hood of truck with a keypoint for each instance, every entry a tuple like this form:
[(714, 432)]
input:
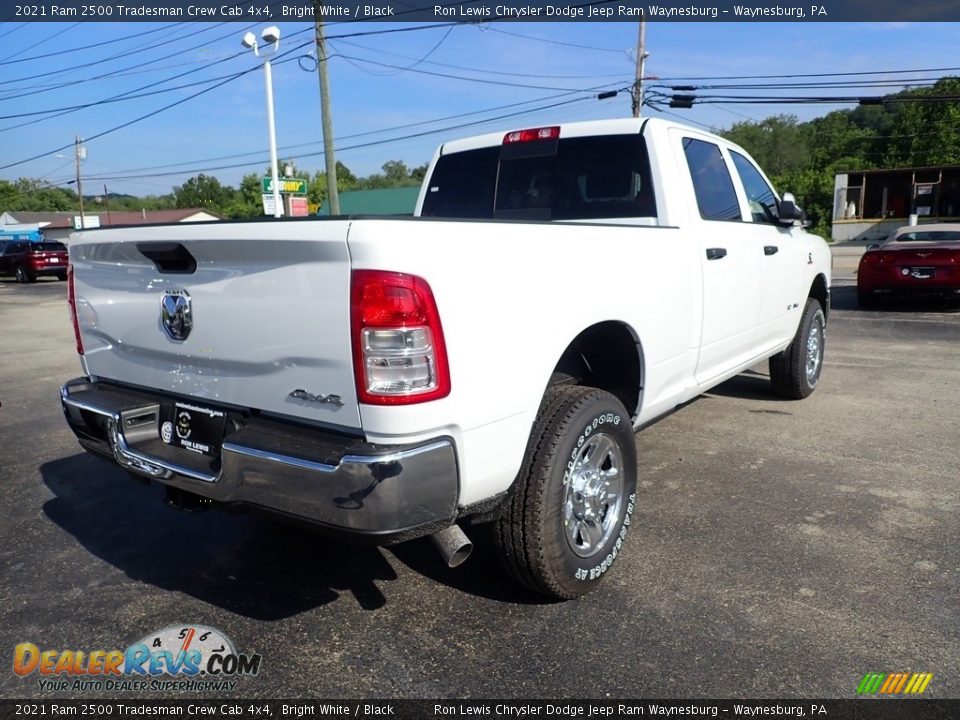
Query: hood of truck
[(252, 315)]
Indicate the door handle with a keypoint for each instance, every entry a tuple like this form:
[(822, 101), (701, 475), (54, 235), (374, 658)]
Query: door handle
[(770, 249), (716, 253)]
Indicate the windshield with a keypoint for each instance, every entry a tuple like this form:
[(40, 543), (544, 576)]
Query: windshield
[(930, 236), (570, 179)]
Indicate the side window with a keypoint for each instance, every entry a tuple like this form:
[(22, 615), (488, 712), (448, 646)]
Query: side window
[(763, 203), (716, 198)]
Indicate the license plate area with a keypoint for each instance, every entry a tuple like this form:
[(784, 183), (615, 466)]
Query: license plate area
[(194, 428), (921, 273)]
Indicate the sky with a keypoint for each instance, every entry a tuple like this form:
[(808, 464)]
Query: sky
[(385, 87)]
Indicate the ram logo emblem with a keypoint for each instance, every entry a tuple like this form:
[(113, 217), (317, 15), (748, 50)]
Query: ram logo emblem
[(176, 314)]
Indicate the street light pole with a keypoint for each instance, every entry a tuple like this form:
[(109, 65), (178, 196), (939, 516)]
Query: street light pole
[(272, 130), (270, 35)]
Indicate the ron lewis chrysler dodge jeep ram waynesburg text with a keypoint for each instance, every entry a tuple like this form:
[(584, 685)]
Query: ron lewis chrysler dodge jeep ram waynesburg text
[(487, 360)]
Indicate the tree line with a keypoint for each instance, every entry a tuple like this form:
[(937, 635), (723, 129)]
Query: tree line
[(202, 191), (918, 127)]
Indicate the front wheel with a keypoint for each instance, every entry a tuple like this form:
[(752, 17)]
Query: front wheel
[(565, 524), (795, 371)]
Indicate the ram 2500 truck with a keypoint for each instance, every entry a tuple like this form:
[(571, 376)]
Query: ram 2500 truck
[(487, 360)]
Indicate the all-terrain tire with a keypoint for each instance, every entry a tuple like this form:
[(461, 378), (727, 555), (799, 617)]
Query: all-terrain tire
[(795, 371), (566, 521)]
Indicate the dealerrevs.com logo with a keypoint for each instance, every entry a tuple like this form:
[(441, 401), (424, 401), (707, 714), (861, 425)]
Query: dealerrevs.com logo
[(179, 658), (894, 683)]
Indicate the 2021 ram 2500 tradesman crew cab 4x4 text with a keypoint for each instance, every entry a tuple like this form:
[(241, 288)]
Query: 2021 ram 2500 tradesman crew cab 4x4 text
[(488, 360)]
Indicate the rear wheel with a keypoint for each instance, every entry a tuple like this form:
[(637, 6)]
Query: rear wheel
[(23, 276), (565, 524), (795, 372), (61, 277)]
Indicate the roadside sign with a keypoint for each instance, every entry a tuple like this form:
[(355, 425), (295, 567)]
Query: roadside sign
[(299, 207), (292, 186), (268, 204)]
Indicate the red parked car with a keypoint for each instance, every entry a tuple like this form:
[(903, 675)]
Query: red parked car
[(29, 260), (915, 260)]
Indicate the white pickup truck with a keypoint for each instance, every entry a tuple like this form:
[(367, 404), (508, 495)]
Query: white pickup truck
[(485, 361)]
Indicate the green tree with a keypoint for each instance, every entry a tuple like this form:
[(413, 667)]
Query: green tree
[(925, 130), (778, 144), (203, 191), (317, 188), (247, 201)]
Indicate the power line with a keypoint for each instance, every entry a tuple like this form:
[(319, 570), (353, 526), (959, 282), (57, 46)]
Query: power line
[(7, 61), (500, 83), (485, 71), (129, 94), (13, 29), (808, 75), (4, 61), (149, 114), (372, 143), (366, 133), (224, 82), (555, 42), (122, 55)]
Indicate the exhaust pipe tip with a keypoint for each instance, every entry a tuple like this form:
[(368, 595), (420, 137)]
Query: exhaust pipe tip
[(453, 545)]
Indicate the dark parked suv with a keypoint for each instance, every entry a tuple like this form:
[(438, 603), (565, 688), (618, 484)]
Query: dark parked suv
[(28, 260)]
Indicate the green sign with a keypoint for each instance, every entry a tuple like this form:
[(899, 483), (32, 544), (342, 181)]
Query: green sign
[(292, 186)]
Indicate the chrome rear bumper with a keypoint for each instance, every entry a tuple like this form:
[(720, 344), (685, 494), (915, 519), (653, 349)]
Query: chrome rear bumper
[(341, 483)]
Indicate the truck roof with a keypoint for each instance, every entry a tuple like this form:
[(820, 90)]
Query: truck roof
[(613, 126)]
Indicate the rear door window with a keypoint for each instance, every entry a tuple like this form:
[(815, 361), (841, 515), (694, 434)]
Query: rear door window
[(571, 179), (716, 197)]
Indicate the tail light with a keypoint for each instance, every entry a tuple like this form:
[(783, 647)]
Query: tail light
[(955, 257), (871, 258), (72, 303), (887, 258), (399, 354)]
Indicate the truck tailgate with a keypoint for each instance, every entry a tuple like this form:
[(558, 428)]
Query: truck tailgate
[(269, 313)]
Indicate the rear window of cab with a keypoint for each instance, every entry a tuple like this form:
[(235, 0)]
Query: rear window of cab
[(582, 178)]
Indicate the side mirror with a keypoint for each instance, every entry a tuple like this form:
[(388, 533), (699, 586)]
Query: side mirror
[(790, 213)]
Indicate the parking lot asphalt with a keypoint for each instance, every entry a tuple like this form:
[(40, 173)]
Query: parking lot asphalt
[(779, 549)]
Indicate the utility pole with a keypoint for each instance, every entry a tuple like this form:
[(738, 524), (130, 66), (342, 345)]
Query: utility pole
[(80, 153), (641, 59), (106, 199), (325, 119)]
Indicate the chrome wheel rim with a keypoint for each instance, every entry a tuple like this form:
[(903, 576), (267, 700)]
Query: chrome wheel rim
[(814, 350), (593, 495)]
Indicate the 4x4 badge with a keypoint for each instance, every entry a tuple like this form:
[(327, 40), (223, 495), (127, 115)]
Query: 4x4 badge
[(176, 314)]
